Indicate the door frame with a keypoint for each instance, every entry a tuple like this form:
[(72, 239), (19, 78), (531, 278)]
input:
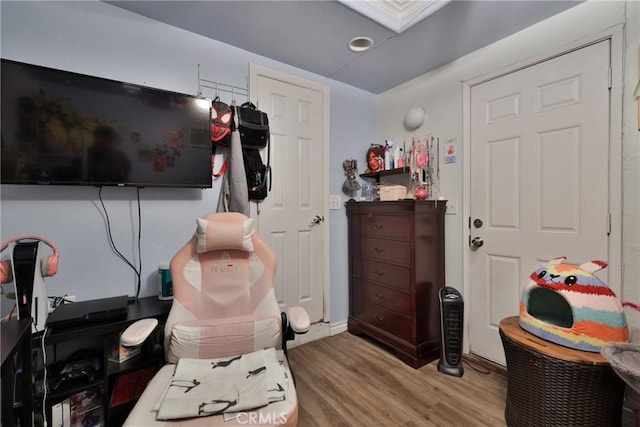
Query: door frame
[(256, 70), (615, 35)]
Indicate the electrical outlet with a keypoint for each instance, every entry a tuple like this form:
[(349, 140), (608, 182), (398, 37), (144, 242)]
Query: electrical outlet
[(452, 207), (335, 201)]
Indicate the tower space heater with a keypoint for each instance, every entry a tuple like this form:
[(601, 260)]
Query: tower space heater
[(451, 321)]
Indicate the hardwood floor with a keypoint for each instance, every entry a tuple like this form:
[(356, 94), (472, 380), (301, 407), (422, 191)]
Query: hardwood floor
[(350, 381)]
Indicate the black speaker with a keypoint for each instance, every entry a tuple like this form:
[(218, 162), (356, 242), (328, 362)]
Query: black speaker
[(451, 321)]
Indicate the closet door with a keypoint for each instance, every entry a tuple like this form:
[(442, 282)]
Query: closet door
[(291, 218)]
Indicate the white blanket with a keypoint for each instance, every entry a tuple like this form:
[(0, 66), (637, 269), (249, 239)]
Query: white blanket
[(203, 387)]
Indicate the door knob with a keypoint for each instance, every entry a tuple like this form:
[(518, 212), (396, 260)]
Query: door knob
[(316, 220), (477, 242)]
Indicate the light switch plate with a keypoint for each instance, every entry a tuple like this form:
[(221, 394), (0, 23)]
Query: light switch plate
[(452, 207), (335, 202)]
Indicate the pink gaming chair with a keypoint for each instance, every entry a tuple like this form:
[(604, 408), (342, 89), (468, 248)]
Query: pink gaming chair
[(223, 305)]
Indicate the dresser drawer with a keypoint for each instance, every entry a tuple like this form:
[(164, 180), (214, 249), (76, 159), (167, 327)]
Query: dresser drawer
[(393, 299), (392, 251), (386, 320), (393, 275), (393, 226)]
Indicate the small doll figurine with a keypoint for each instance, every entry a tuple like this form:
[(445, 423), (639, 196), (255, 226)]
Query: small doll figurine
[(375, 158), (350, 185)]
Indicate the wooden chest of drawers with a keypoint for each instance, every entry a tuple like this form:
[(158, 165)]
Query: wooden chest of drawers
[(396, 269)]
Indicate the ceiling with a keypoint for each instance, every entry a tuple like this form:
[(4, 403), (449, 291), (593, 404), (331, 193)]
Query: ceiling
[(313, 35)]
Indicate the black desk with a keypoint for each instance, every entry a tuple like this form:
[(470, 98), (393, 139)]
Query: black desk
[(16, 338), (141, 309), (147, 307)]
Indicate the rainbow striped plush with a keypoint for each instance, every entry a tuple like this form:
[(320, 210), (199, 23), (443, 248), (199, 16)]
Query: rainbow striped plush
[(568, 305)]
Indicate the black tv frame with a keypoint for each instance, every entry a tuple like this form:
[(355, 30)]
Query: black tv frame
[(73, 76)]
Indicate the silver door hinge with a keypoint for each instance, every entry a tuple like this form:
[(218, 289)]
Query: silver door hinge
[(608, 224), (610, 77)]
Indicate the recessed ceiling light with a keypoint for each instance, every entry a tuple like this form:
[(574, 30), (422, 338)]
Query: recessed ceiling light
[(360, 44)]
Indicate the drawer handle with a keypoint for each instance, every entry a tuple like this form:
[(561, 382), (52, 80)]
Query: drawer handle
[(379, 319), (378, 250), (379, 296), (378, 226), (378, 273)]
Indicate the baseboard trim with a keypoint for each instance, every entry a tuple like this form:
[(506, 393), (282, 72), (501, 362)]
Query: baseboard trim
[(337, 328), (485, 363), (316, 331)]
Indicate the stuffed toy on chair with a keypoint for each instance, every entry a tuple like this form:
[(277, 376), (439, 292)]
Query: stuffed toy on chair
[(568, 305)]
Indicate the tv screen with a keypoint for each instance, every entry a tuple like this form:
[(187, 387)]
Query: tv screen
[(60, 127)]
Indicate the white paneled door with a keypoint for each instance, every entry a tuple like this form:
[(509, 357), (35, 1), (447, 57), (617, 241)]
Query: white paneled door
[(539, 180), (291, 219)]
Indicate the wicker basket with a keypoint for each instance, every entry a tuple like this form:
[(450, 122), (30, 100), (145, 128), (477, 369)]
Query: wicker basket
[(545, 391)]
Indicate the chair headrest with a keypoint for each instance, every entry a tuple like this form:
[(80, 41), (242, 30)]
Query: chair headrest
[(224, 231)]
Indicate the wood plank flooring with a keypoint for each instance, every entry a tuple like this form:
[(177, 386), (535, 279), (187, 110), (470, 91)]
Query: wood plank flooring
[(350, 381)]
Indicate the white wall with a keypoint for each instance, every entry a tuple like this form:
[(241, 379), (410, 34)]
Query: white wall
[(98, 39), (440, 92), (349, 139)]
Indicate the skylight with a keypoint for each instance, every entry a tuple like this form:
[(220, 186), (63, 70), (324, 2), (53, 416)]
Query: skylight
[(396, 15)]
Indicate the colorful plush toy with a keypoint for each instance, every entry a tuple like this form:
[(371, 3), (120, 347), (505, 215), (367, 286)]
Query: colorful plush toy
[(568, 305)]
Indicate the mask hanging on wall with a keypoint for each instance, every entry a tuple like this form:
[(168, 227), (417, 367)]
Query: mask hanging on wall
[(220, 122)]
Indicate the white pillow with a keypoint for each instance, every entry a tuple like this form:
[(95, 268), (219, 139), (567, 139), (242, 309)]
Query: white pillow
[(224, 232)]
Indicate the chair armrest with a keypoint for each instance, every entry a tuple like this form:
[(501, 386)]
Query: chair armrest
[(299, 319), (137, 332)]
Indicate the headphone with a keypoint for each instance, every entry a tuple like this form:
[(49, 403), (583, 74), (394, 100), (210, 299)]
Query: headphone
[(48, 264)]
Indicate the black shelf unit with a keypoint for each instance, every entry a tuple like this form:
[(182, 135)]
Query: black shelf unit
[(15, 350), (118, 415), (141, 361), (126, 385), (147, 307), (66, 392), (141, 309), (380, 174)]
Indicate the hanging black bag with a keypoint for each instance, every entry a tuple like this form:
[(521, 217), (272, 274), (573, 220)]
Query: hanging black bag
[(256, 172), (253, 126)]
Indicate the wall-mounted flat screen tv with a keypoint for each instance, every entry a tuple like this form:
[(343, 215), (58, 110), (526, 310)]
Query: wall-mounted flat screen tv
[(60, 127)]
